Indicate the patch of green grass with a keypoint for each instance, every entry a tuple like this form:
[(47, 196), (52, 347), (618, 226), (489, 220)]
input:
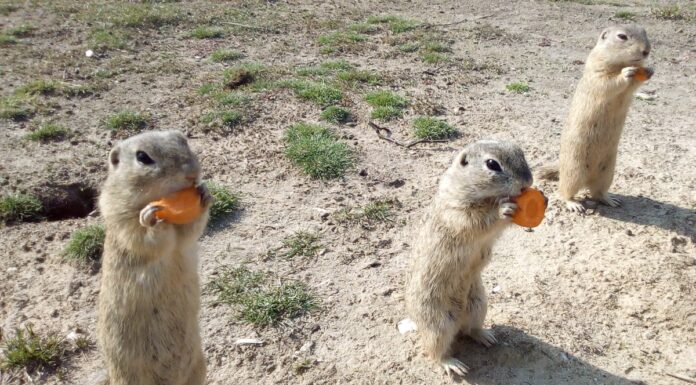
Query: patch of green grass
[(7, 40), (325, 68), (302, 243), (335, 114), (317, 92), (206, 32), (387, 105), (336, 65), (236, 99), (353, 77), (409, 47), (625, 15), (668, 12), (375, 211), (302, 366), (38, 87), (6, 9), (82, 90), (232, 285), (436, 46), (127, 120), (20, 208), (260, 302), (433, 58), (226, 201), (340, 41), (242, 74), (102, 73), (394, 23), (140, 15), (364, 28), (225, 55), (104, 39), (317, 151), (15, 108), (378, 211), (86, 245), (208, 88), (518, 87), (386, 113), (270, 306), (23, 30), (425, 127), (49, 132), (229, 119), (30, 351), (83, 344), (386, 98)]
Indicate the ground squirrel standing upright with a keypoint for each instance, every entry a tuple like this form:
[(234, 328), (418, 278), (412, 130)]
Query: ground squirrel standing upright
[(445, 293), (150, 295), (591, 135)]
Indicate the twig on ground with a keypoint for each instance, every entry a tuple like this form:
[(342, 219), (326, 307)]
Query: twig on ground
[(249, 26), (379, 130), (679, 377), (428, 25), (31, 380)]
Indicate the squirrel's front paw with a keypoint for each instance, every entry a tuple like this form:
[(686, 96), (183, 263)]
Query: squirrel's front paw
[(206, 198), (147, 216), (507, 209), (629, 72)]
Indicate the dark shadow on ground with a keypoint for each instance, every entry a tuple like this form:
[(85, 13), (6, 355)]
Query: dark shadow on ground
[(225, 222), (646, 211), (521, 359)]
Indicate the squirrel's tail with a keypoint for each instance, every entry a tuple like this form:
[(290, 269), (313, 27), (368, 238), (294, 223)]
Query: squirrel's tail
[(548, 172)]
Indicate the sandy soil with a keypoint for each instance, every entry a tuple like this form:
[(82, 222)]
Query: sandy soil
[(604, 298)]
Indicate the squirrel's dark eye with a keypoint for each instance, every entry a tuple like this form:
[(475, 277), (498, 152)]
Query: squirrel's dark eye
[(622, 36), (493, 165), (144, 158)]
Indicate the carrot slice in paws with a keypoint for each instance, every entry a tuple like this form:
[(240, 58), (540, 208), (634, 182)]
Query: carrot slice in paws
[(530, 208), (643, 74), (181, 207)]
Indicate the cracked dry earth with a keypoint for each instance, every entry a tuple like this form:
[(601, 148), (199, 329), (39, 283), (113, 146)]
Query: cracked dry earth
[(603, 298)]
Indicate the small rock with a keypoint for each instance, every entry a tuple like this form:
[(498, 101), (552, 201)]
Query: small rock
[(89, 53), (629, 232), (307, 347), (363, 172), (248, 341), (396, 183), (373, 264), (406, 325), (11, 270), (72, 336), (496, 289), (645, 96)]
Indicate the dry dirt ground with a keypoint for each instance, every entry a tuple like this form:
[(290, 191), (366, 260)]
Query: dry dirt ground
[(602, 298)]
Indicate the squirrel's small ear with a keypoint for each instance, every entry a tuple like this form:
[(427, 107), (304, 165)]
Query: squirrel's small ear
[(114, 156), (463, 160), (603, 36)]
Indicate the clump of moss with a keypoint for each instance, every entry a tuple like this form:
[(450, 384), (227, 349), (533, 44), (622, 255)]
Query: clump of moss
[(86, 245), (20, 208)]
